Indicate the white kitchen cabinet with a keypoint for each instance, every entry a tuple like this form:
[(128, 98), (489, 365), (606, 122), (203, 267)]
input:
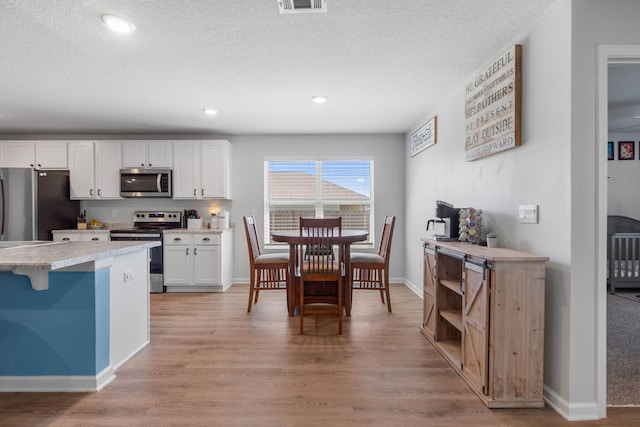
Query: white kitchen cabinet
[(147, 154), (19, 154), (35, 154), (81, 235), (51, 155), (95, 170), (202, 170), (197, 261)]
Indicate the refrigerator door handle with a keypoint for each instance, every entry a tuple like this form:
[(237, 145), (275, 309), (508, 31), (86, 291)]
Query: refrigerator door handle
[(2, 211)]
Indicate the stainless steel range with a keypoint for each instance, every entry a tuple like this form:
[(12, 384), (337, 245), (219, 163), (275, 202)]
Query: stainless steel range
[(148, 226)]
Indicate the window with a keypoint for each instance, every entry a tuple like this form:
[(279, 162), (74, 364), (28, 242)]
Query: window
[(318, 189)]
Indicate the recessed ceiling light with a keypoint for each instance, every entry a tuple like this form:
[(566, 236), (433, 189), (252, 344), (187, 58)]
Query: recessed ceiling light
[(210, 111), (118, 24), (636, 117), (319, 99)]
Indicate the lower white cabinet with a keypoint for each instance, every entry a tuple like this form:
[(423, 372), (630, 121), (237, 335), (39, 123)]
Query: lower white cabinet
[(197, 261), (81, 235)]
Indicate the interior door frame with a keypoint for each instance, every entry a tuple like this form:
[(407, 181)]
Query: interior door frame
[(606, 55)]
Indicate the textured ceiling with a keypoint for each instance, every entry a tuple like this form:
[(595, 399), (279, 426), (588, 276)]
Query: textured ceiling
[(383, 64)]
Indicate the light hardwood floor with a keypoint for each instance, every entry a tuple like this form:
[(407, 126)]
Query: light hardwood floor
[(212, 364)]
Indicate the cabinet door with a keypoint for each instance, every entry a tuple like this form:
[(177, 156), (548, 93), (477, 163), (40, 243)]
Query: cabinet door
[(81, 170), (177, 265), (186, 172), (429, 290), (51, 155), (134, 154), (108, 160), (19, 154), (160, 154), (475, 316), (214, 167), (206, 265)]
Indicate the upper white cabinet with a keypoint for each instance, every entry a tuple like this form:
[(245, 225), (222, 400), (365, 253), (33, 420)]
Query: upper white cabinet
[(201, 169), (34, 154), (147, 154), (95, 169)]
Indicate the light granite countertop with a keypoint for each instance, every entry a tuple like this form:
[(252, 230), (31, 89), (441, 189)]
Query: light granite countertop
[(56, 255), (197, 230)]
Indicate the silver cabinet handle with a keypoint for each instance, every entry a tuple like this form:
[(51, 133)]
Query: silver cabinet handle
[(206, 239), (187, 251), (203, 191), (99, 192), (65, 238), (95, 238), (195, 192), (177, 239), (195, 251), (91, 192)]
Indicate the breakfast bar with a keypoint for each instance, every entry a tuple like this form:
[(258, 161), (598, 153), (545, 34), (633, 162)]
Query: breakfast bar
[(71, 313)]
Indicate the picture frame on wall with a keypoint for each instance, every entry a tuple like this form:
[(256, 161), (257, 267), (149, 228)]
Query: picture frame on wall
[(610, 153), (626, 150), (424, 137)]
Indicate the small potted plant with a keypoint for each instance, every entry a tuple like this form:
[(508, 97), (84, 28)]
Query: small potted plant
[(492, 240)]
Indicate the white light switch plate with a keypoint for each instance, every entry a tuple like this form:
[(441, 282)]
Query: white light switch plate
[(528, 214)]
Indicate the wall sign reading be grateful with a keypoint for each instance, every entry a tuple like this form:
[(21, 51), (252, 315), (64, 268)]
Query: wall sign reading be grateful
[(492, 107)]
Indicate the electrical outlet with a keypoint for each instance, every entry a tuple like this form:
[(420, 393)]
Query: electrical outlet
[(128, 275)]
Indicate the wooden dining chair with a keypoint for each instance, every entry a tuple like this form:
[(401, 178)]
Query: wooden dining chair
[(319, 265), (371, 271), (268, 271)]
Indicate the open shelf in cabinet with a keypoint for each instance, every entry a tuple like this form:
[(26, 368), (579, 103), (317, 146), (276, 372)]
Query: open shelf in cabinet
[(452, 349), (454, 285), (453, 317)]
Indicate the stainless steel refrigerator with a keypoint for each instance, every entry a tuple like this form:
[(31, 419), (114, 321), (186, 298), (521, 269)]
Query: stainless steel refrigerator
[(32, 203)]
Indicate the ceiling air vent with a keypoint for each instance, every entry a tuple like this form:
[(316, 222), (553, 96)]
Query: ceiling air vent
[(302, 6)]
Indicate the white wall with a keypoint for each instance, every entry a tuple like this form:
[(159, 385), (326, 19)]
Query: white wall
[(250, 152), (623, 178), (538, 172)]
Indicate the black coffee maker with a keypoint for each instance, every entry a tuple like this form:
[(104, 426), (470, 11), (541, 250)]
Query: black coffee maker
[(448, 219)]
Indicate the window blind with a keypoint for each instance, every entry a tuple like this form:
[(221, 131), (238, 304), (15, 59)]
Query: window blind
[(318, 189)]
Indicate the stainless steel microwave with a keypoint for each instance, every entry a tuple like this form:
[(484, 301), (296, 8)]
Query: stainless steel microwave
[(139, 182)]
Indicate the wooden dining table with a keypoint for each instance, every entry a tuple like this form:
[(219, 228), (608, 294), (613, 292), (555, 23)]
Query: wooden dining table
[(293, 238)]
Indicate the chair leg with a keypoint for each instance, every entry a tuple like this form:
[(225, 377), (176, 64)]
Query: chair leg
[(340, 305), (251, 288), (386, 287), (301, 307)]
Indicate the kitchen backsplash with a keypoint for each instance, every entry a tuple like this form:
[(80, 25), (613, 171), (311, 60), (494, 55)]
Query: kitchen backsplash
[(121, 211)]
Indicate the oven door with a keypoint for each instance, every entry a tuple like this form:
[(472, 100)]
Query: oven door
[(156, 270)]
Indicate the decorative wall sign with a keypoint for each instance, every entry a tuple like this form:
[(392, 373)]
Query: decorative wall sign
[(493, 107), (424, 137), (626, 150)]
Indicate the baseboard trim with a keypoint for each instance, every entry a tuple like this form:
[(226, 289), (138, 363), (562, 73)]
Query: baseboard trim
[(581, 411), (55, 383)]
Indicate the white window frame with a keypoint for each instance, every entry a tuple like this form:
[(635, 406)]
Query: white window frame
[(318, 202)]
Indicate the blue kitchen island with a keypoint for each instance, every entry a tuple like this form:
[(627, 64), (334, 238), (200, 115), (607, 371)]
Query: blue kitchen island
[(71, 313)]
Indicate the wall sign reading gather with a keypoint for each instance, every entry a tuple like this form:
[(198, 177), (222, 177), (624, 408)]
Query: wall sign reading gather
[(493, 107)]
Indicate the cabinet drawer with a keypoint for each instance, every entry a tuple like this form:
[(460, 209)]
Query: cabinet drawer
[(66, 237), (177, 239), (206, 239)]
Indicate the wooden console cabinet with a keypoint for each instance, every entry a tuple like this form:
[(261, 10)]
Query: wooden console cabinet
[(484, 312)]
